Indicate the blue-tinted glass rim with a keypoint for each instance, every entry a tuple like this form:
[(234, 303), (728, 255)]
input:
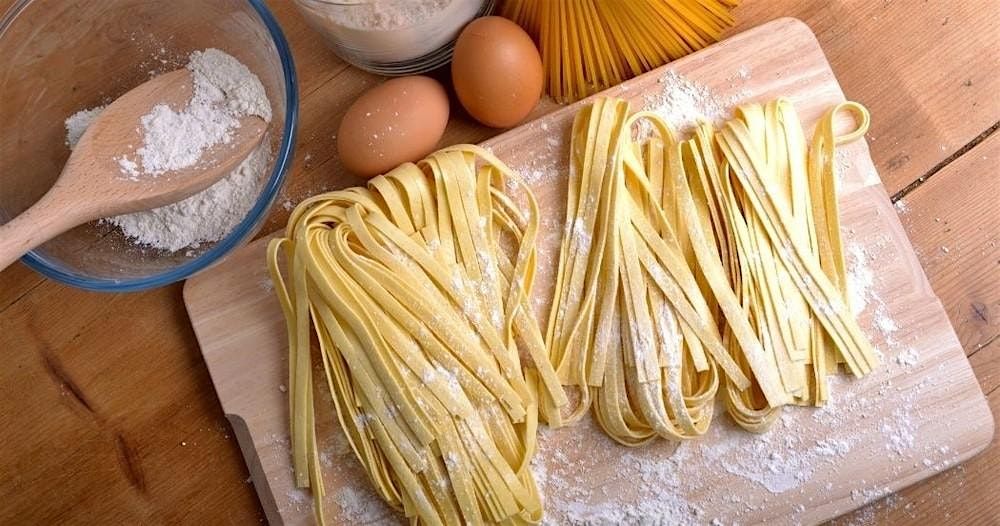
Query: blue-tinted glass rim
[(244, 228)]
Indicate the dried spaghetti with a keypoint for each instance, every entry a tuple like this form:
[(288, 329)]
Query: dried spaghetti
[(590, 45)]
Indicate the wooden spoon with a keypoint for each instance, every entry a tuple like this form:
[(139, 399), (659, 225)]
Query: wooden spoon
[(92, 185)]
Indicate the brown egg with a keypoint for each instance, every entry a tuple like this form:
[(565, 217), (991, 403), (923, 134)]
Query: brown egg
[(395, 122), (497, 71)]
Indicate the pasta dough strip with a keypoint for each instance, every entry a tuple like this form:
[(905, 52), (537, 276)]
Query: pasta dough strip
[(743, 214), (419, 315), (642, 383)]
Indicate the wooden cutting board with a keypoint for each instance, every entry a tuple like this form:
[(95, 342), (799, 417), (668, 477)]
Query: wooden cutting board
[(922, 411)]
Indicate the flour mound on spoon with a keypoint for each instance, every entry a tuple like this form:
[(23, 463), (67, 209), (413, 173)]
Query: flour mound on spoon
[(224, 91)]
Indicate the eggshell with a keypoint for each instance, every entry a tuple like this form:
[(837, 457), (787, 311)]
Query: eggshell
[(395, 122), (496, 71)]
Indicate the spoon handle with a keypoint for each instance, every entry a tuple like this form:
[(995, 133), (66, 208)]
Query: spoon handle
[(46, 219)]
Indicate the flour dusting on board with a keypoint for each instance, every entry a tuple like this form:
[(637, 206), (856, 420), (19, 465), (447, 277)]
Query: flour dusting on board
[(664, 483), (644, 484), (360, 505), (682, 102)]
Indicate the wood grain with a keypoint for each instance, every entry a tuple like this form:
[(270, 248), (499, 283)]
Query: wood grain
[(926, 70), (962, 232), (932, 46), (967, 222), (241, 328), (107, 411)]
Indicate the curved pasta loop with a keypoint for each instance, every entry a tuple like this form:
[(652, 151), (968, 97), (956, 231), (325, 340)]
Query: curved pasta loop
[(422, 323), (778, 223)]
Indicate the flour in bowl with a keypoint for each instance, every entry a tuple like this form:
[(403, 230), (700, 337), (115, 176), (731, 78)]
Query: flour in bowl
[(224, 91)]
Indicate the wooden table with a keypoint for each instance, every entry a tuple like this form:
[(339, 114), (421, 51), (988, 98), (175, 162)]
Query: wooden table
[(108, 413)]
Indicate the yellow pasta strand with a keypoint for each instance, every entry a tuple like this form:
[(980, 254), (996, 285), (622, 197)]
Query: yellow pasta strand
[(779, 203), (687, 267), (421, 321), (591, 45), (630, 329), (680, 258)]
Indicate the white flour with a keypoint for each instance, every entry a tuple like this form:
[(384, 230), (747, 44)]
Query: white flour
[(78, 123), (204, 217), (392, 14), (385, 31), (224, 90), (682, 102)]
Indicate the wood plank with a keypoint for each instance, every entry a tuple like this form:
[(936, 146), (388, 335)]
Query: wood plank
[(16, 282), (927, 71), (246, 359), (109, 417), (956, 495), (954, 219)]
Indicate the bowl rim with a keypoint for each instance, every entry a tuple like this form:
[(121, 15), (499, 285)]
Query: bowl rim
[(247, 225)]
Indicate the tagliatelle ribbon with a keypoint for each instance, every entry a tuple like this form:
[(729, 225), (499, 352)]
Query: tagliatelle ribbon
[(421, 321), (630, 328), (686, 266), (681, 257)]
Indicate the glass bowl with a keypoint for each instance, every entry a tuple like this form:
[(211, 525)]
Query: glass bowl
[(392, 37), (60, 56)]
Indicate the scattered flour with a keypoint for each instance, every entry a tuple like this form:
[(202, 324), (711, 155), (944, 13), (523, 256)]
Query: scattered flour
[(871, 494), (781, 460), (861, 285), (899, 432), (885, 322), (636, 487), (361, 506), (833, 447), (587, 479), (908, 357), (860, 279), (385, 31), (682, 103), (224, 90), (299, 500)]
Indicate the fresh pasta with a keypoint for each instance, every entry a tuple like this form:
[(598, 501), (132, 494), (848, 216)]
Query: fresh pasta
[(629, 329), (789, 195), (421, 322), (689, 269), (686, 264), (591, 45)]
